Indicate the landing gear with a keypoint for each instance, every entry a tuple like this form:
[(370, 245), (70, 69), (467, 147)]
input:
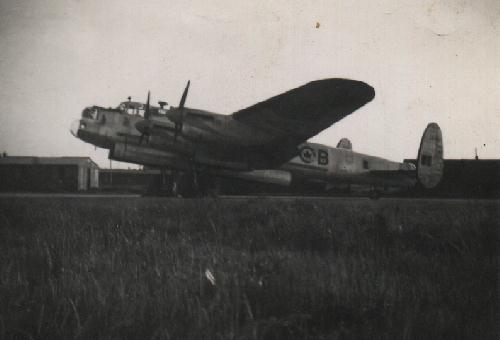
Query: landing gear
[(194, 184), (160, 185), (186, 184), (374, 193)]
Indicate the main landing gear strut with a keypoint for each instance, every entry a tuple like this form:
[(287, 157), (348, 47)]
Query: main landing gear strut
[(194, 184), (186, 184)]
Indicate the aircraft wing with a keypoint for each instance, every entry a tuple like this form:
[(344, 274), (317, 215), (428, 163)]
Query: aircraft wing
[(293, 117)]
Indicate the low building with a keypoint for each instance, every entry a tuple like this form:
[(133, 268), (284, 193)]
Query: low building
[(128, 180), (49, 174)]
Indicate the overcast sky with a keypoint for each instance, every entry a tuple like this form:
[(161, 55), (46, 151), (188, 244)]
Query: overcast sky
[(427, 60)]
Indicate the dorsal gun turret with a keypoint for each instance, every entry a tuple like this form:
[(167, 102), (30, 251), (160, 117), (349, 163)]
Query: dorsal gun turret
[(344, 143)]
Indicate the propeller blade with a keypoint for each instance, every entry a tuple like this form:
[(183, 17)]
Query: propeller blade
[(184, 95), (144, 127), (178, 129), (176, 115), (147, 112)]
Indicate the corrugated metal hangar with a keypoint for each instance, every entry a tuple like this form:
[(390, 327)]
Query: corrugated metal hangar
[(127, 180), (64, 174), (462, 178)]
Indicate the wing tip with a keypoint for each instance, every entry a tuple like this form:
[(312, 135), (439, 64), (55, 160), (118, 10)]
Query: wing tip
[(357, 90)]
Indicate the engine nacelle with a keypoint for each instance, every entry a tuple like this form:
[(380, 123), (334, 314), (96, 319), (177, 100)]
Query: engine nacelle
[(147, 156)]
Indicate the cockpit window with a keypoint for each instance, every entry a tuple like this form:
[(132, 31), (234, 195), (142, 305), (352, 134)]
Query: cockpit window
[(90, 113)]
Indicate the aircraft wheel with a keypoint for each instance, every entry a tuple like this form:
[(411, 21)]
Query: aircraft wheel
[(374, 194), (183, 185), (208, 186)]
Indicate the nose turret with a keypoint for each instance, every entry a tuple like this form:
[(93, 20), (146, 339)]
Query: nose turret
[(75, 126), (94, 128)]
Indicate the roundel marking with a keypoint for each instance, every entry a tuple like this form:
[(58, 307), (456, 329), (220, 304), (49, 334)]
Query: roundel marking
[(307, 154)]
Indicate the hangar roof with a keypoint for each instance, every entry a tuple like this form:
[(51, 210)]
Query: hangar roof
[(80, 161)]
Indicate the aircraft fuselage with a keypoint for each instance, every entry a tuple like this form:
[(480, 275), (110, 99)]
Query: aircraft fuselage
[(220, 146)]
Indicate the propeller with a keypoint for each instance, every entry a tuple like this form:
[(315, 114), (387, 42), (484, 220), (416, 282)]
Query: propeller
[(184, 95), (177, 115), (147, 112), (144, 126)]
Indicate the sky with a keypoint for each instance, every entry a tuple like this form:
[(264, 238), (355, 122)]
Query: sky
[(429, 61)]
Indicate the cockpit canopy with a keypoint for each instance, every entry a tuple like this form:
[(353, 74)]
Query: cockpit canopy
[(137, 108), (132, 108), (127, 107)]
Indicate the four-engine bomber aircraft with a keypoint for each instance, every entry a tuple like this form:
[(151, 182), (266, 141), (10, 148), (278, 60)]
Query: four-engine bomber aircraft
[(266, 142)]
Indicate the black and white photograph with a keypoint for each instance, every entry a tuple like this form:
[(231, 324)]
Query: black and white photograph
[(249, 169)]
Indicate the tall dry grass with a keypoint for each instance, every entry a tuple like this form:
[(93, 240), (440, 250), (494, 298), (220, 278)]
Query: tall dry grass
[(87, 268)]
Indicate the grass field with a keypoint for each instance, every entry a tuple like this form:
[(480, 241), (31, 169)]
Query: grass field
[(133, 268)]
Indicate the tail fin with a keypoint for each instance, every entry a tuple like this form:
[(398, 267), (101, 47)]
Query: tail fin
[(430, 157)]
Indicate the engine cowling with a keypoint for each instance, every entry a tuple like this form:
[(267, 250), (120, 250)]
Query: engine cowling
[(147, 156)]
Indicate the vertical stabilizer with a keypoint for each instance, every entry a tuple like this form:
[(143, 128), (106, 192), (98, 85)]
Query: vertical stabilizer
[(430, 157)]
